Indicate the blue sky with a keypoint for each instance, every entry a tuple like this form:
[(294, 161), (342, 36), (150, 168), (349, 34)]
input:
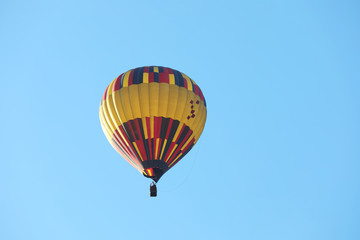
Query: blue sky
[(280, 154)]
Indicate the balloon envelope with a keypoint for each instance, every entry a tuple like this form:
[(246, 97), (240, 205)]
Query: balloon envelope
[(153, 116)]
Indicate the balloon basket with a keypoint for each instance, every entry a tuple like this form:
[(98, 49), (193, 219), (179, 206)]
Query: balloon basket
[(153, 190)]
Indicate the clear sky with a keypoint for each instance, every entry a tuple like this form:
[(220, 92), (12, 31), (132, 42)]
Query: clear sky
[(280, 154)]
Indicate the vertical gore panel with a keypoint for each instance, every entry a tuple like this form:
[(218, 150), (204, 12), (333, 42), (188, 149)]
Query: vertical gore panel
[(164, 127), (172, 101), (163, 99), (164, 78), (156, 77), (177, 77)]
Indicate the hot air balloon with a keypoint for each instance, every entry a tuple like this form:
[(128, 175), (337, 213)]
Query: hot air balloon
[(153, 116)]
